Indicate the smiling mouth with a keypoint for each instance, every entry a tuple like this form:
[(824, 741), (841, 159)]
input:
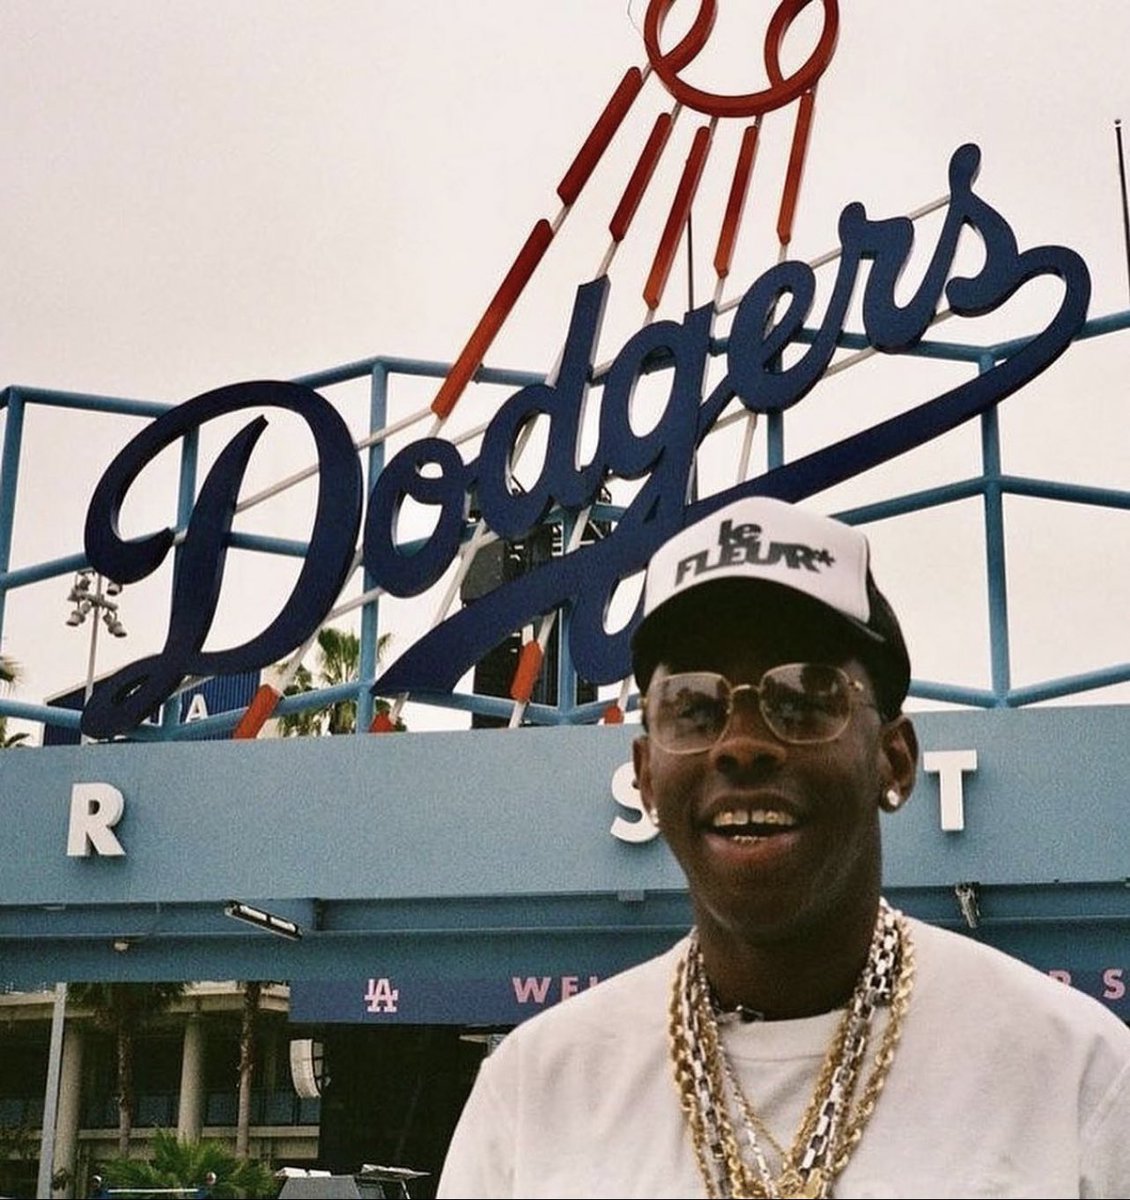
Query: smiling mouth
[(751, 824)]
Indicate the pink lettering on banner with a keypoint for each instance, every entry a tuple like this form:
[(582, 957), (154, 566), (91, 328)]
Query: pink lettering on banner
[(381, 996), (571, 984), (535, 990), (1114, 986), (1107, 985), (527, 990)]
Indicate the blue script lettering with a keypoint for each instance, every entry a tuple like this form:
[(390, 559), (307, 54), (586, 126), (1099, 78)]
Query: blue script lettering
[(586, 579), (589, 576), (432, 472), (121, 702)]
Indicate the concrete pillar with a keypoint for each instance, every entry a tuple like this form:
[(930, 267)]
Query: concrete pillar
[(190, 1115), (269, 1048), (70, 1107)]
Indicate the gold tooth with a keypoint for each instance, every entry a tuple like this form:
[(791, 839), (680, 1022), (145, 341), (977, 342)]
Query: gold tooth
[(731, 818)]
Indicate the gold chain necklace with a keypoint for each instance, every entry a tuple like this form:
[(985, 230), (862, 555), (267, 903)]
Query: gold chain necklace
[(712, 1097)]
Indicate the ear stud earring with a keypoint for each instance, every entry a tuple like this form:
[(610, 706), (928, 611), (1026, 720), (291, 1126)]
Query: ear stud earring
[(892, 799)]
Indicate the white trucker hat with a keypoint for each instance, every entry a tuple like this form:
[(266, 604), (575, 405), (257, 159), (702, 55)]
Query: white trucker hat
[(766, 541)]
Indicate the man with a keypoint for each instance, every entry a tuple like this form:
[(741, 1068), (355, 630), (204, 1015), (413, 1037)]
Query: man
[(804, 1039)]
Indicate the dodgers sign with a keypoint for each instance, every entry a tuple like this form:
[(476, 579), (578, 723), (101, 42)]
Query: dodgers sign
[(772, 316)]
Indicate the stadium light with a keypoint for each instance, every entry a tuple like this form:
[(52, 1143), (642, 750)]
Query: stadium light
[(261, 919)]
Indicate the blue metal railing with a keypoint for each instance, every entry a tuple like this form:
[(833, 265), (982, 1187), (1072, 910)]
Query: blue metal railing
[(992, 485)]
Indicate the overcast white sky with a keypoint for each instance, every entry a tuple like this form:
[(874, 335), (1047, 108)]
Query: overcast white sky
[(199, 193)]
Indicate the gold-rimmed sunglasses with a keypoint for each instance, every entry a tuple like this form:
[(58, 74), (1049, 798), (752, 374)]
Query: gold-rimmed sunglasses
[(801, 703)]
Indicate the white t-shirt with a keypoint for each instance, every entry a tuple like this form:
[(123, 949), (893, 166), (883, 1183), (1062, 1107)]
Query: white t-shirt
[(1005, 1082)]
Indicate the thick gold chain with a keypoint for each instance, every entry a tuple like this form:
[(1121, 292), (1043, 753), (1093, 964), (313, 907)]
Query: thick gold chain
[(684, 1059), (702, 1072), (884, 1056)]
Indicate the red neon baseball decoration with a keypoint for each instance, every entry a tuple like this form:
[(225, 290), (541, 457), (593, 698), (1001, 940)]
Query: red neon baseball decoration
[(781, 91)]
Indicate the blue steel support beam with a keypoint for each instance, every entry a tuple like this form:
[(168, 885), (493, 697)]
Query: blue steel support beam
[(370, 610), (911, 502), (48, 714), (186, 498), (1070, 685), (995, 564), (775, 425), (566, 672), (9, 475), (50, 569), (426, 368), (84, 402), (1074, 493)]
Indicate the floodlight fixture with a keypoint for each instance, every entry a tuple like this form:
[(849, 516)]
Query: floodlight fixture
[(90, 594), (86, 601), (112, 622), (262, 919)]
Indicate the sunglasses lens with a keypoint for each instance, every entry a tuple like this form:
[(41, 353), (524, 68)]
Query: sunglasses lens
[(688, 712), (805, 702)]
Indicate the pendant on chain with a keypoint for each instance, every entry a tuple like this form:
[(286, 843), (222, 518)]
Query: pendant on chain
[(793, 1185)]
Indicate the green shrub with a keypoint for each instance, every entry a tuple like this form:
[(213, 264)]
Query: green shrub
[(183, 1164)]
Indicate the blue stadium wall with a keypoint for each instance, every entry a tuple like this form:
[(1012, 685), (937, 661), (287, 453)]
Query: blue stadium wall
[(473, 877)]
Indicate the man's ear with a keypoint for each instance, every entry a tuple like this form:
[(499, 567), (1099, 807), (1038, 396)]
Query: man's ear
[(641, 764), (899, 743)]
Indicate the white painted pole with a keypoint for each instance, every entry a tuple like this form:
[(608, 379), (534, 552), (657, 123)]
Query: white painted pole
[(51, 1096)]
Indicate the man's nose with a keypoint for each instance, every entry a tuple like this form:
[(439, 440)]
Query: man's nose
[(747, 741)]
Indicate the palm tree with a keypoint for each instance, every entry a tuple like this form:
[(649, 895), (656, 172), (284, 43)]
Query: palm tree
[(339, 661), (340, 652), (308, 722), (252, 994), (9, 674), (124, 1009), (182, 1164)]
